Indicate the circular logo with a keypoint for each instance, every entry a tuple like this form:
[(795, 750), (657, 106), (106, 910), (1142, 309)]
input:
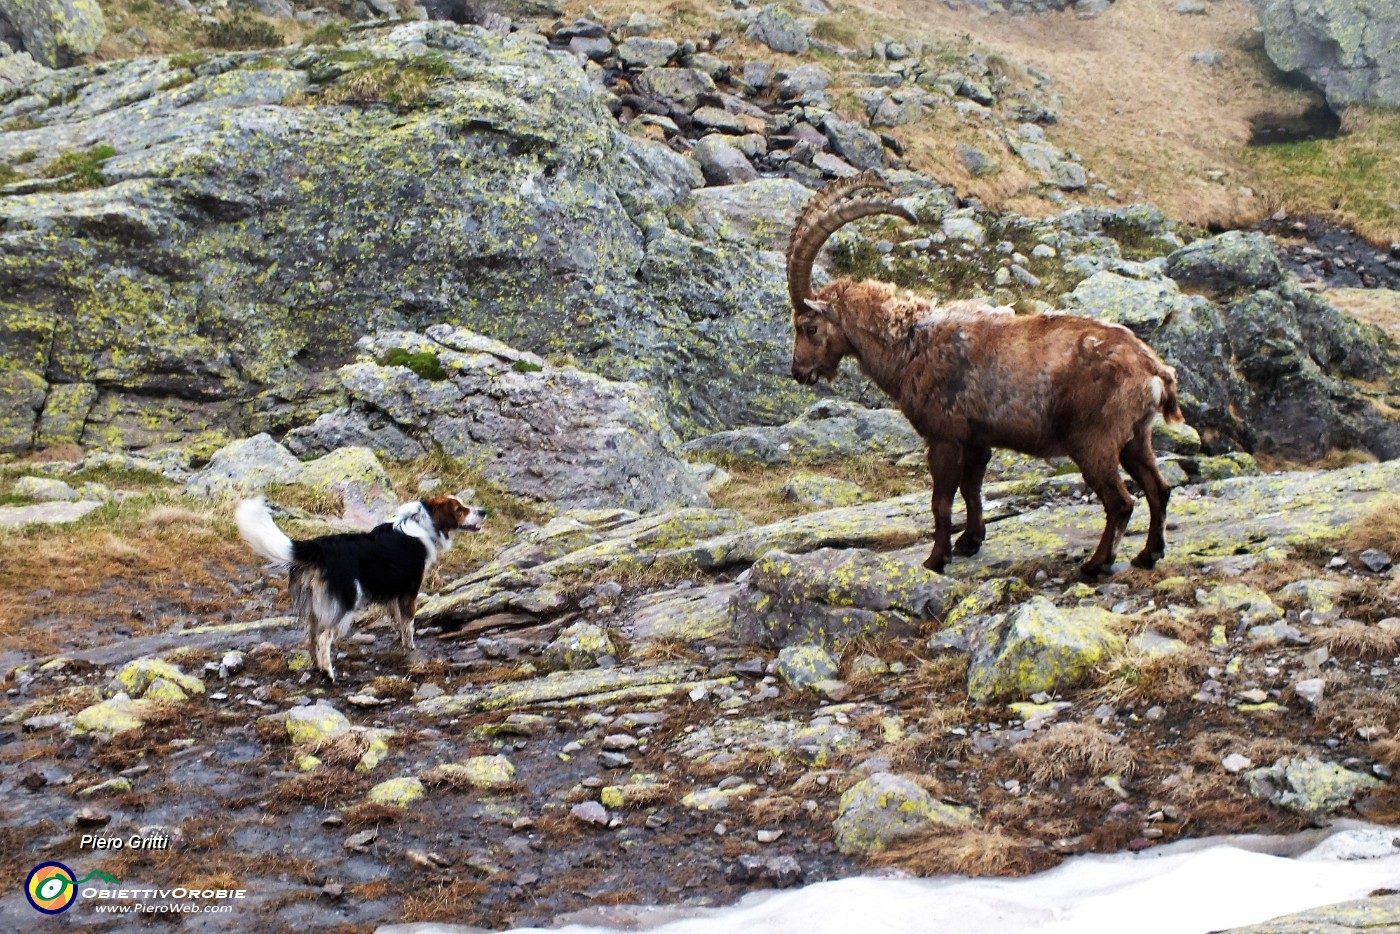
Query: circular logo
[(51, 888)]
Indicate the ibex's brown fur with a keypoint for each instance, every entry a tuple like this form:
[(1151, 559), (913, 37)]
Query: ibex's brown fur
[(970, 377)]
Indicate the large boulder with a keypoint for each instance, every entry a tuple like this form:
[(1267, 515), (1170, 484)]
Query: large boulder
[(246, 231), (1262, 363), (880, 810), (1348, 48), (56, 32), (550, 433), (1038, 647)]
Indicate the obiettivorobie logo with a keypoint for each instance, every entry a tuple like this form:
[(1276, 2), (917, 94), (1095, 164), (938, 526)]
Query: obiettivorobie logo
[(52, 887)]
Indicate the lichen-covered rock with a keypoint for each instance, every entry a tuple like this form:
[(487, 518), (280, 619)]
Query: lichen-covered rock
[(375, 744), (778, 29), (115, 715), (244, 467), (491, 773), (13, 517), (1318, 596), (315, 724), (722, 163), (1310, 787), (879, 810), (1232, 261), (1377, 913), (400, 792), (1039, 647), (56, 32), (811, 489), (1348, 48), (814, 744), (575, 244), (828, 431), (833, 596), (1252, 604), (356, 475), (717, 799), (136, 679), (640, 789), (44, 489), (593, 686), (695, 615), (760, 213), (802, 666), (580, 646), (540, 431)]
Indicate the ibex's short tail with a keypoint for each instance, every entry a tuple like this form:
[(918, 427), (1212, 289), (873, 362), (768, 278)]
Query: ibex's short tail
[(1166, 398)]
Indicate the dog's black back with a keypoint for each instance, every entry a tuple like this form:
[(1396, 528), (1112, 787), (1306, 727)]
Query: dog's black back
[(384, 562)]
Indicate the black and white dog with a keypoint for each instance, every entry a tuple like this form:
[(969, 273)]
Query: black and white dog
[(333, 575)]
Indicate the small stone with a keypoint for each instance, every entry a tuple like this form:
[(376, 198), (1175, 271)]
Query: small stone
[(1310, 690), (91, 817), (1235, 763), (1255, 696), (590, 812), (1375, 560), (614, 760), (769, 836), (359, 842), (618, 741)]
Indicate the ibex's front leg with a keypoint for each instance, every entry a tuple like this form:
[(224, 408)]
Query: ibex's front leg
[(974, 469), (945, 467), (1101, 475)]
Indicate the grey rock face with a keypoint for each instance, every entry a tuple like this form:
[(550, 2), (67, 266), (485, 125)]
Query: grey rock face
[(1348, 48), (56, 32), (554, 434), (572, 245), (828, 431), (721, 163)]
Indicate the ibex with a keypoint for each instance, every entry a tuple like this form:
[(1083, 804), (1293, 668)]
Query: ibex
[(970, 378)]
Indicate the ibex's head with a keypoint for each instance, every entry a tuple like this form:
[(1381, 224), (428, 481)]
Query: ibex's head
[(819, 341)]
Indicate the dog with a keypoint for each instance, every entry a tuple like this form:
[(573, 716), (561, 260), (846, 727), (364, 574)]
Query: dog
[(334, 575)]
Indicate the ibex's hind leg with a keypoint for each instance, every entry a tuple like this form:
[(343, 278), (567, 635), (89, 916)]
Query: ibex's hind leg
[(1140, 462), (1103, 478), (403, 610), (974, 469), (945, 467)]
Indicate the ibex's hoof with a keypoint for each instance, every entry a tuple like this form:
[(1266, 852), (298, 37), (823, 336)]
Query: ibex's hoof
[(936, 563), (1093, 571), (967, 547), (1146, 560)]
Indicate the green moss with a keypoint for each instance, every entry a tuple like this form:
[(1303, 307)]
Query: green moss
[(424, 363), (189, 60), (403, 85), (525, 366), (84, 167), (9, 175)]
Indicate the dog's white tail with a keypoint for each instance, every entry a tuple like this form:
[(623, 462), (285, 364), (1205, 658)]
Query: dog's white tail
[(261, 533)]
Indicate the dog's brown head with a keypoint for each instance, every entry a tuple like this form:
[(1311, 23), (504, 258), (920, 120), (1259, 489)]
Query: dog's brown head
[(450, 514)]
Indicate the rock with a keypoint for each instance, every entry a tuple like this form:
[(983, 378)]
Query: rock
[(1350, 51), (397, 792), (1232, 261), (1049, 163), (1309, 690), (139, 677), (760, 212), (116, 715), (1038, 647), (639, 52), (315, 724), (778, 29), (817, 490), (683, 86), (1253, 605), (1374, 559), (1318, 596), (356, 475), (112, 786), (1309, 787), (569, 687), (815, 745), (44, 489), (804, 80), (1375, 913), (719, 120), (802, 666), (14, 517), (590, 812), (376, 749), (245, 467), (832, 596), (491, 773), (717, 799), (56, 32), (828, 431), (877, 811), (854, 143), (639, 790), (554, 434), (976, 161), (721, 163), (582, 645), (1235, 763), (358, 428)]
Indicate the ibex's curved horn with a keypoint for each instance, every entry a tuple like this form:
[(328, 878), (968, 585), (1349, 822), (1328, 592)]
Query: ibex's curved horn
[(806, 243), (833, 192)]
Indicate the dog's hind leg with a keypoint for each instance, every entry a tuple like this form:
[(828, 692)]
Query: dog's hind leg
[(403, 610)]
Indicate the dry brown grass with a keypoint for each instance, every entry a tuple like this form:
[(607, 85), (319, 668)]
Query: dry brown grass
[(755, 492), (1072, 749), (1354, 641), (1387, 751), (1159, 678), (1378, 307), (968, 851), (1348, 708), (772, 810), (453, 900), (368, 814), (1378, 528), (323, 787), (1207, 749)]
